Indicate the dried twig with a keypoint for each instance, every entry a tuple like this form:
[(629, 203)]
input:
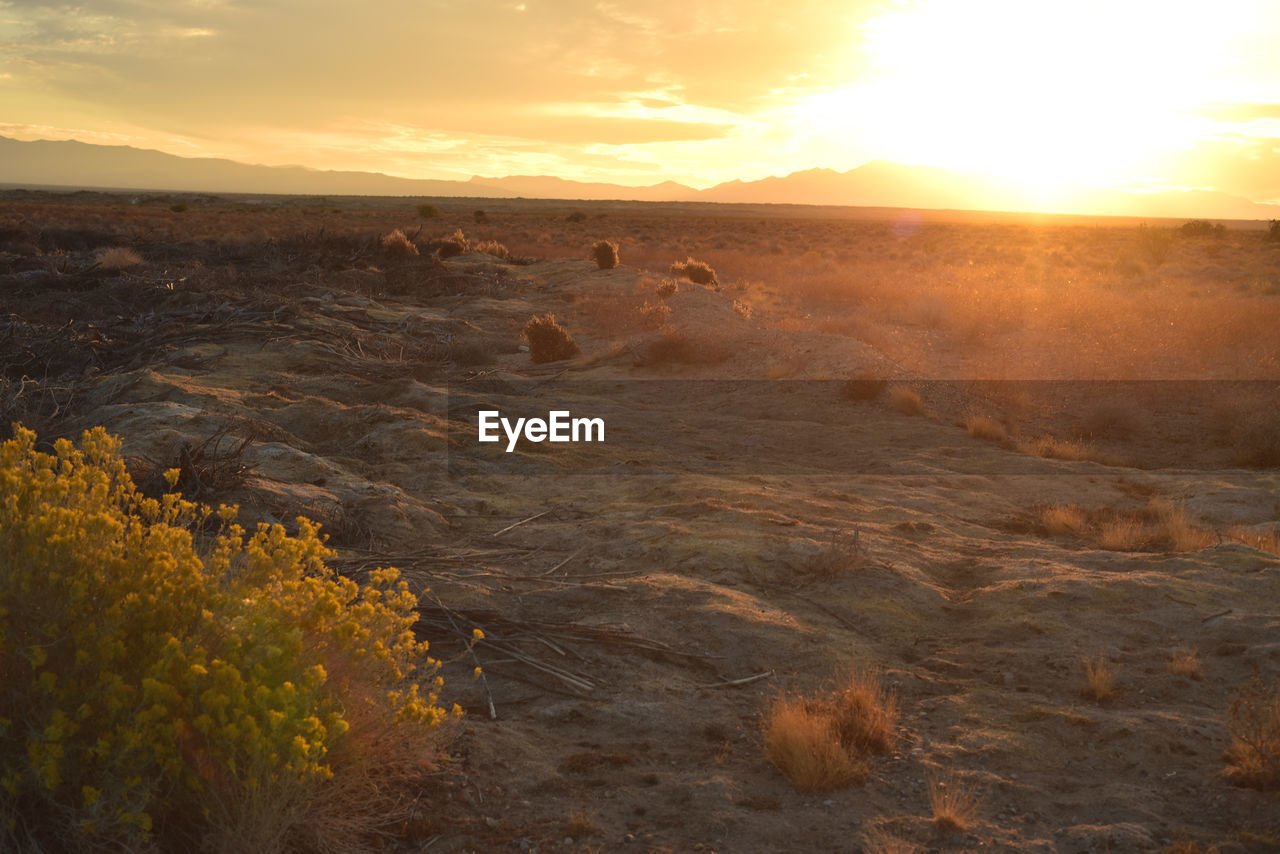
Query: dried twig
[(521, 522)]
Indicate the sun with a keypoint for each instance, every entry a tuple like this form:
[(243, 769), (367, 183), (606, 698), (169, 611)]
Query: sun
[(1049, 96)]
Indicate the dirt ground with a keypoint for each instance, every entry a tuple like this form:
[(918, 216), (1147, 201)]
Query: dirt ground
[(755, 525)]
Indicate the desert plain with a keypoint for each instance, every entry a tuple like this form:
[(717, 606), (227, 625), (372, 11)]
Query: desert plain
[(1019, 471)]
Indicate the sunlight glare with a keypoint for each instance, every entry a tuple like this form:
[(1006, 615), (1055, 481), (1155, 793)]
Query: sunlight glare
[(1050, 95)]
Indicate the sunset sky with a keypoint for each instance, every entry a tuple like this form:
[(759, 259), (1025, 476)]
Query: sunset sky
[(1133, 94)]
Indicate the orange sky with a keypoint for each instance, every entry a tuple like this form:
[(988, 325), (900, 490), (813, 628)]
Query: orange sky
[(1052, 94)]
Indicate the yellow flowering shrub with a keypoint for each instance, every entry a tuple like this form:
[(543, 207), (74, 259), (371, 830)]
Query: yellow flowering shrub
[(164, 687)]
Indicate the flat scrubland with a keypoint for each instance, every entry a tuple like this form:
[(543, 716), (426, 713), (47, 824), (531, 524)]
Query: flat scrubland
[(913, 532)]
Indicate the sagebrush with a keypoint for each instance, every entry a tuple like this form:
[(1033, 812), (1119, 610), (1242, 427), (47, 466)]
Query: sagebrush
[(169, 681), (548, 340)]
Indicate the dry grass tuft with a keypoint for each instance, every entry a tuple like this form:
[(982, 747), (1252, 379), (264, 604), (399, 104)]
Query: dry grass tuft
[(825, 742), (548, 340), (801, 743), (986, 427), (1120, 534), (117, 258), (905, 400), (1174, 527), (1185, 662), (667, 288), (396, 243), (865, 713), (1263, 541), (1253, 758), (1053, 448), (743, 309), (954, 804), (1061, 519), (605, 254), (1100, 679)]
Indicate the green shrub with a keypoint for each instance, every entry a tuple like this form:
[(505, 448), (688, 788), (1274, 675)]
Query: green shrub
[(1201, 228), (605, 254), (160, 689), (548, 340), (428, 211)]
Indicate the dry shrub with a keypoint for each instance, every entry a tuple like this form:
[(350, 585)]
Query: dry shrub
[(494, 248), (905, 400), (697, 272), (667, 288), (1100, 679), (1185, 662), (743, 309), (954, 804), (1060, 519), (827, 741), (985, 427), (605, 254), (655, 315), (842, 552), (396, 243), (377, 780), (548, 340), (453, 245), (116, 258), (1253, 758)]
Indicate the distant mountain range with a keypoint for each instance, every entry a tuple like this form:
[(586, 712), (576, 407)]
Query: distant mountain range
[(877, 184)]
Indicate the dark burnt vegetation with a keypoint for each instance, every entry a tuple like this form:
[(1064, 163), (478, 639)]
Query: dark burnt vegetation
[(176, 284)]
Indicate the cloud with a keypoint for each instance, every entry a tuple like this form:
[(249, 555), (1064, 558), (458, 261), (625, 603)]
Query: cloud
[(1241, 112), (1241, 166)]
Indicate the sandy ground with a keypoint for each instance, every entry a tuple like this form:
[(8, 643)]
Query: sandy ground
[(644, 600)]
